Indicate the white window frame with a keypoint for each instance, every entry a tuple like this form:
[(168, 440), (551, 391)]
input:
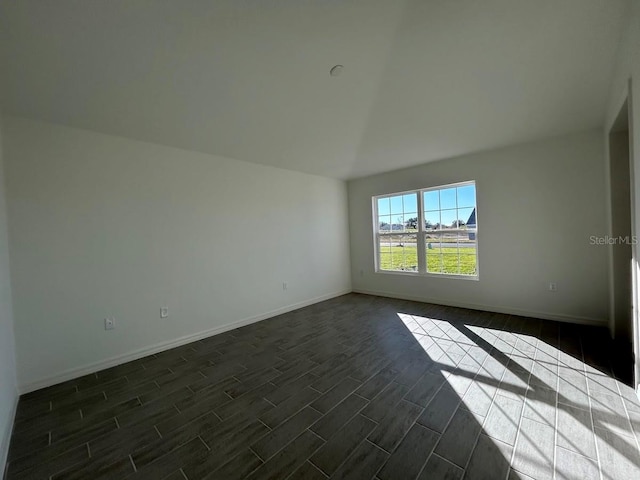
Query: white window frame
[(421, 234)]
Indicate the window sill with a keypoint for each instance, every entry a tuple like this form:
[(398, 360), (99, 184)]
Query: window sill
[(430, 275)]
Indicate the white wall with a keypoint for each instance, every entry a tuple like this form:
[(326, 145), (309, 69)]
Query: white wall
[(105, 226), (8, 388), (538, 204), (627, 74)]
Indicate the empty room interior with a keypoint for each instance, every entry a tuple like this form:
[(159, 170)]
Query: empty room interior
[(320, 239)]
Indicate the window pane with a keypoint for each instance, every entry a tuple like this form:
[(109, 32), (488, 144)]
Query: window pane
[(396, 205), (432, 200), (432, 220), (464, 215), (450, 263), (397, 223), (468, 254), (468, 262), (384, 248), (384, 223), (449, 243), (432, 244), (433, 253), (451, 253), (462, 244), (448, 198), (434, 263), (409, 253), (383, 206), (411, 221), (399, 253), (448, 218), (467, 196), (410, 202)]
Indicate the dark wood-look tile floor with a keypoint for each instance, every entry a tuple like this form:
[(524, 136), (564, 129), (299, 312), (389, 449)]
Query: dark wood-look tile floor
[(358, 387)]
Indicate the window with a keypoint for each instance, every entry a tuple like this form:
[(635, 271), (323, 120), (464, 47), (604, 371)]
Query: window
[(428, 231)]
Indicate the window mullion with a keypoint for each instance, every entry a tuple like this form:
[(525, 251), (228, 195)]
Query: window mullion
[(377, 265), (422, 255)]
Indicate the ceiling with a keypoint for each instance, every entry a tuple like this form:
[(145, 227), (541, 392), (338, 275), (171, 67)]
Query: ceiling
[(423, 80)]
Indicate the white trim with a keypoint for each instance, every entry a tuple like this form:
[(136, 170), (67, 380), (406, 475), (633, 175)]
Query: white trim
[(625, 96), (559, 317), (6, 438), (635, 315), (162, 346), (635, 319)]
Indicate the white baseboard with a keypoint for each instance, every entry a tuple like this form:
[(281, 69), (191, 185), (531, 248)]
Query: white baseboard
[(6, 437), (162, 346), (159, 347), (559, 317)]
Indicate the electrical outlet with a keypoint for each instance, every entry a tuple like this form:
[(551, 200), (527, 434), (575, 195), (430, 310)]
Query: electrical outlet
[(553, 286), (164, 312), (109, 323), (284, 285)]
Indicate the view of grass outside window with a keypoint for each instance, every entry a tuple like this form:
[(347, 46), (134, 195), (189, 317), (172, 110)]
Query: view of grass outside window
[(428, 231)]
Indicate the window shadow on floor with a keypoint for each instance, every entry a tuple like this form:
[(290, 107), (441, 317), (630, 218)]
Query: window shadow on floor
[(566, 386)]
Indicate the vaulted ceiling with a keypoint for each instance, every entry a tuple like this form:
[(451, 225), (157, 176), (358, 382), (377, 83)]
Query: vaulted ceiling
[(249, 79)]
